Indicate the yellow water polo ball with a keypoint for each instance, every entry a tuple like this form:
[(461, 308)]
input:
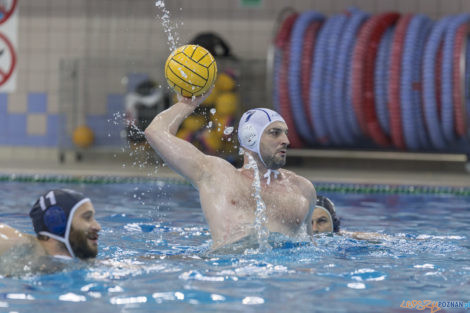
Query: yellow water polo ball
[(82, 136), (190, 70), (226, 103), (224, 82)]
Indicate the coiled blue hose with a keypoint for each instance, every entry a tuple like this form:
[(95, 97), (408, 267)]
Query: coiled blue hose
[(295, 87)]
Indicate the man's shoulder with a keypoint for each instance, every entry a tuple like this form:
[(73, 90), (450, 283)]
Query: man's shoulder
[(11, 237), (302, 182), (296, 177)]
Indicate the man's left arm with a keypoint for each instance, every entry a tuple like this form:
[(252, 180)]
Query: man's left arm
[(311, 194), (9, 237)]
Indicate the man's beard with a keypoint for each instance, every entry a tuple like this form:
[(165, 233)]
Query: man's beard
[(276, 162), (79, 243)]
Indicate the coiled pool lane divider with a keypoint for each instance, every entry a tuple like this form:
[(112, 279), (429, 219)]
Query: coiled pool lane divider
[(310, 38), (377, 29), (353, 77), (395, 69), (459, 68), (467, 80), (349, 126), (279, 41), (431, 113), (447, 108), (410, 91), (381, 79), (321, 187), (317, 84), (283, 82), (334, 40), (295, 87)]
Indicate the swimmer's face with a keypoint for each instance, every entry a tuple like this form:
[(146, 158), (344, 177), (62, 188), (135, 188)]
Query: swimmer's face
[(321, 221), (273, 145), (84, 232)]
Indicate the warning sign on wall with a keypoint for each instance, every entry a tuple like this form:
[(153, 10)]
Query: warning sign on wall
[(8, 44)]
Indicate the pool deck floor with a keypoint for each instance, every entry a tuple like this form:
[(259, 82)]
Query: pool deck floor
[(318, 168)]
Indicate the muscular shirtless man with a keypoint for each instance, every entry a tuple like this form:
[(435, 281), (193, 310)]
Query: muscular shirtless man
[(227, 193)]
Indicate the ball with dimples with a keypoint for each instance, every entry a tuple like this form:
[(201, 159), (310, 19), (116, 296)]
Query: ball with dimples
[(190, 70)]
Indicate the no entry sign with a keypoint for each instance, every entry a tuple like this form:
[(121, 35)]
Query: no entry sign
[(8, 44)]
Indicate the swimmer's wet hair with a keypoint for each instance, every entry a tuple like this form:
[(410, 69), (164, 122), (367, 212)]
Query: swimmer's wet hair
[(328, 205)]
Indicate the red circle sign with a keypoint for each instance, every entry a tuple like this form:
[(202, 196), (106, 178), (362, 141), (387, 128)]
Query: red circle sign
[(7, 12), (6, 73)]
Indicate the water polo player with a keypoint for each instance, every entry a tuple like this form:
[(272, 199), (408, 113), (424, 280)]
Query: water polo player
[(227, 193), (324, 220), (65, 226), (324, 217)]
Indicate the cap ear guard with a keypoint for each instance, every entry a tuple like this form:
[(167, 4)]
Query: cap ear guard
[(248, 136), (55, 220)]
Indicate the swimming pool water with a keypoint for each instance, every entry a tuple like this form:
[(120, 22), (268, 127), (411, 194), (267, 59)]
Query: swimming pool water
[(154, 256)]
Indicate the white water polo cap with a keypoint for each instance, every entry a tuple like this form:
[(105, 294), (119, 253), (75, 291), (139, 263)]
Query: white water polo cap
[(252, 125)]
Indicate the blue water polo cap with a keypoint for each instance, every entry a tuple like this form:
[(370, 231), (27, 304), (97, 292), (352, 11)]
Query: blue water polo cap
[(53, 212)]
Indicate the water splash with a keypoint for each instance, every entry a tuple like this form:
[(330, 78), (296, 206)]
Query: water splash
[(261, 220), (169, 28), (228, 130)]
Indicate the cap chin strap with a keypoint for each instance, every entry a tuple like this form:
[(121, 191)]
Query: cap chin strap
[(329, 214), (267, 175), (65, 240)]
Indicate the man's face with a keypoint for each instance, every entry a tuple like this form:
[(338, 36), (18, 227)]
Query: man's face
[(84, 232), (321, 221), (273, 145)]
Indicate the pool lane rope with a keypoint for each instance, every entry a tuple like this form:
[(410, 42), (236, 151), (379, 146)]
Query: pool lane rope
[(410, 91), (283, 83), (377, 29), (381, 79), (334, 41), (459, 69), (317, 84), (351, 188), (310, 39), (345, 117), (295, 87), (371, 81), (447, 108), (431, 112)]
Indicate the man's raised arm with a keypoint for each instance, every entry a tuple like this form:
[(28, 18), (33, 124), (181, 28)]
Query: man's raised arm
[(177, 153)]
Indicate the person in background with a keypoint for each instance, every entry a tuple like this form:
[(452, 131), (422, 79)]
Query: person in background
[(325, 220)]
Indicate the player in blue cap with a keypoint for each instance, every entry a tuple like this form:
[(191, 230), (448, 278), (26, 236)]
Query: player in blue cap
[(65, 226)]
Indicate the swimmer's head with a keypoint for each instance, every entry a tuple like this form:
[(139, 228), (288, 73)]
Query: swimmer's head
[(68, 217), (324, 217), (261, 122)]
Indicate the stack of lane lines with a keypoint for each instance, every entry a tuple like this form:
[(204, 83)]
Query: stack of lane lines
[(388, 80)]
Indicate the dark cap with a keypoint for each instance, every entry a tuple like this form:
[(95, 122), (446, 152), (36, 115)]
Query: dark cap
[(328, 205), (53, 212)]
